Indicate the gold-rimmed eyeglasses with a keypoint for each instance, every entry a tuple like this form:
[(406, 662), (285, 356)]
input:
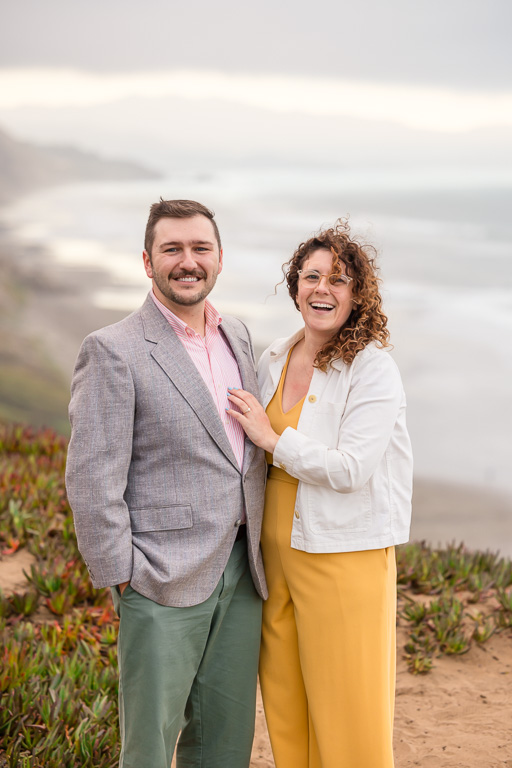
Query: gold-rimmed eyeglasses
[(312, 277)]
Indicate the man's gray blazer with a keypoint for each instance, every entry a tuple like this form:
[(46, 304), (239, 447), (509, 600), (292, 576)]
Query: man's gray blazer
[(156, 492)]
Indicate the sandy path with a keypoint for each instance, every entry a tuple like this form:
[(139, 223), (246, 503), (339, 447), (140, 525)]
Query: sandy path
[(458, 716), (12, 578)]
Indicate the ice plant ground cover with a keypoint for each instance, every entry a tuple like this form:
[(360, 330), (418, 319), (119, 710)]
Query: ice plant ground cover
[(58, 669)]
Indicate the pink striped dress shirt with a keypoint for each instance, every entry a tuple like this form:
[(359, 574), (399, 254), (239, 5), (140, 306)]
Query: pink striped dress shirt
[(216, 363)]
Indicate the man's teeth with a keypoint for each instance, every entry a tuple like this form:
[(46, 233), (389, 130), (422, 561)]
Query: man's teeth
[(322, 306), (187, 279)]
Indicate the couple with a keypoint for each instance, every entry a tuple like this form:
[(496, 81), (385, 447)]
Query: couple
[(166, 473)]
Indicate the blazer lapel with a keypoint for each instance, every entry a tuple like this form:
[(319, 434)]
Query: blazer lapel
[(173, 358), (242, 352)]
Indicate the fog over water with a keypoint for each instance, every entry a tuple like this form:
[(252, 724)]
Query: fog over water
[(445, 250)]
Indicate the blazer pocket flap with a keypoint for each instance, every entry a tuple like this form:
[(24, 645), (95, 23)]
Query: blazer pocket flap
[(161, 518)]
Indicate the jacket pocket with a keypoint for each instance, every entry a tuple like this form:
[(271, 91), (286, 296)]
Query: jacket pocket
[(330, 511), (169, 518), (327, 422)]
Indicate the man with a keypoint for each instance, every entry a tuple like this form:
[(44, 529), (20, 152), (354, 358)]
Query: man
[(167, 496)]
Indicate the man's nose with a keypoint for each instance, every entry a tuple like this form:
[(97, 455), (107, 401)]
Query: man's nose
[(188, 259)]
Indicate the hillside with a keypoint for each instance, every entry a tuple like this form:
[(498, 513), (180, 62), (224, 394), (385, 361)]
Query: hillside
[(33, 387), (24, 167), (44, 315)]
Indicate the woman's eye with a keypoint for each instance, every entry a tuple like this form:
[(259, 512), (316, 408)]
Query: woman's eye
[(312, 278)]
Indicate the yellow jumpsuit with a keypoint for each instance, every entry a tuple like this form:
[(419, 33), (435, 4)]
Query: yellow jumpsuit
[(327, 664)]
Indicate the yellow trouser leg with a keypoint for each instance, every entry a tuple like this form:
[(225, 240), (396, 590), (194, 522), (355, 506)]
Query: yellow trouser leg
[(328, 655), (281, 682), (345, 613)]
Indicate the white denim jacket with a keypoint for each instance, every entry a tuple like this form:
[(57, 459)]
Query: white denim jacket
[(350, 452)]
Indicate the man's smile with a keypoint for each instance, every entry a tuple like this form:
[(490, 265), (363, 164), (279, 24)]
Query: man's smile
[(187, 278)]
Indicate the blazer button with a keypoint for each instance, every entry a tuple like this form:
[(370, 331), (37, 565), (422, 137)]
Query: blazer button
[(297, 515), (283, 466), (312, 398), (238, 523)]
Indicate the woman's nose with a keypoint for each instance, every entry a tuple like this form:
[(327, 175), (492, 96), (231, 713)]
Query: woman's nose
[(323, 284)]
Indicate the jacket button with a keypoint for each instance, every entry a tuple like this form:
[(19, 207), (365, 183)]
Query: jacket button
[(283, 466), (297, 515), (238, 523), (312, 398)]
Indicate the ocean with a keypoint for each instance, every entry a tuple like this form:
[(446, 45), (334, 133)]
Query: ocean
[(444, 243)]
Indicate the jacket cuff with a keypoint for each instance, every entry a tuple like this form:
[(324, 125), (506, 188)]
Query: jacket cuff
[(287, 449), (108, 575), (102, 583)]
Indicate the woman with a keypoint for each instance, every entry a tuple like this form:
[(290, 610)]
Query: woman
[(337, 502)]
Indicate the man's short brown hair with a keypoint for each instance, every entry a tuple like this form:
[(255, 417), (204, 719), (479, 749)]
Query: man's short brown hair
[(176, 209)]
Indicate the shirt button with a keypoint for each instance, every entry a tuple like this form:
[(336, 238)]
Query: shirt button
[(312, 398), (297, 515), (238, 523), (283, 466)]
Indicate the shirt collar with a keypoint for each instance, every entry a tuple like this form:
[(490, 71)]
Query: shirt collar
[(212, 318)]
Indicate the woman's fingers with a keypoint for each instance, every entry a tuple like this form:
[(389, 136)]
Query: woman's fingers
[(241, 405), (252, 418), (242, 399)]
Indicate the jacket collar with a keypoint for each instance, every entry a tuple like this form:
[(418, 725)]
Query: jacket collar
[(282, 346)]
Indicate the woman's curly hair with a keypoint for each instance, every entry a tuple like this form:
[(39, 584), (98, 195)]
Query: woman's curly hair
[(366, 322)]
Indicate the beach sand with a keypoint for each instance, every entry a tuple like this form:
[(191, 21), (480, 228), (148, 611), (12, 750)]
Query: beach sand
[(457, 716)]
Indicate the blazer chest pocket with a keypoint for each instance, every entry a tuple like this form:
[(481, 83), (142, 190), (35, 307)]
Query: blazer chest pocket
[(161, 518)]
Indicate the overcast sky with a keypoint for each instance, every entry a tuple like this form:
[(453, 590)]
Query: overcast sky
[(161, 81), (454, 43)]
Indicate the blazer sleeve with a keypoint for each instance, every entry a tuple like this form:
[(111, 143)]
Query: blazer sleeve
[(371, 412), (101, 413)]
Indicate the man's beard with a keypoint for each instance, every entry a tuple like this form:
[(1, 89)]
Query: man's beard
[(164, 285)]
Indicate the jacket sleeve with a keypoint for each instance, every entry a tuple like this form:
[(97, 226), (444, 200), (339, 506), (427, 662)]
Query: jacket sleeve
[(101, 413), (373, 404)]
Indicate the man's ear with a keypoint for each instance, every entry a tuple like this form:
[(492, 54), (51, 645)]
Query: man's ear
[(221, 262), (147, 263)]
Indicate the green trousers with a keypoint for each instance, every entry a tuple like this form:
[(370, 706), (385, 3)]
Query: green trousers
[(190, 670)]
